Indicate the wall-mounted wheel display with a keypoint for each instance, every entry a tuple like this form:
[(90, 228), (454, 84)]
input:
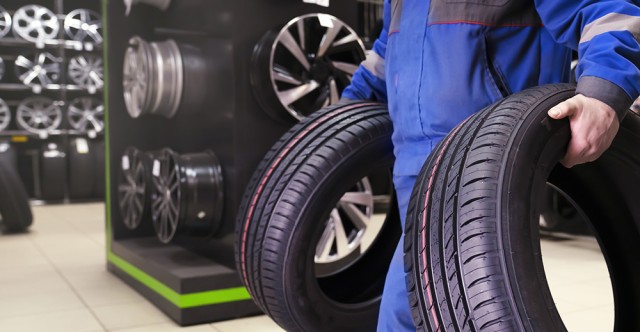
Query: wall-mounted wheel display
[(187, 194), (86, 114), (86, 70), (304, 66), (153, 78), (36, 24), (43, 70), (134, 187), (299, 203), (160, 4), (15, 212), (5, 22), (38, 115), (5, 115), (84, 25), (53, 172), (472, 232)]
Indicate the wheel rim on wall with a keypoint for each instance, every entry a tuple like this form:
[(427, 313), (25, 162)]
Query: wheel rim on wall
[(5, 115), (84, 25), (152, 77), (86, 113), (133, 189), (5, 22), (1, 68), (38, 115), (35, 23), (86, 71), (43, 70), (305, 66)]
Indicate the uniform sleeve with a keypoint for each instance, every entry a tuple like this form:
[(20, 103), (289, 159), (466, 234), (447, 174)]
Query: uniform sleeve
[(368, 81), (606, 34)]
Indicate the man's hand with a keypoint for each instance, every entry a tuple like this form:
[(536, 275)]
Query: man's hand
[(594, 124)]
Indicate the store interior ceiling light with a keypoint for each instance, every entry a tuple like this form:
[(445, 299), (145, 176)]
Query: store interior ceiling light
[(36, 24), (86, 114), (86, 70), (38, 115), (5, 22), (84, 25), (5, 115), (160, 4)]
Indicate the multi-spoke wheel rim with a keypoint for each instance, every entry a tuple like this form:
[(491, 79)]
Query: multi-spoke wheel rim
[(86, 113), (134, 80), (84, 25), (132, 188), (35, 23), (311, 61), (340, 244), (5, 115), (38, 115), (5, 22), (43, 70), (86, 71), (165, 209)]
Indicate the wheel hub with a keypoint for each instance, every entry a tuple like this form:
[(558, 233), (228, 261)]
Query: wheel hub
[(321, 70)]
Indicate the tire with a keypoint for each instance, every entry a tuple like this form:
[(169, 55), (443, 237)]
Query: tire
[(82, 170), (15, 211), (558, 214), (471, 263), (8, 154), (53, 172), (280, 221)]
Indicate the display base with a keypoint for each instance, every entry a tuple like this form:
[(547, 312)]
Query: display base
[(189, 288)]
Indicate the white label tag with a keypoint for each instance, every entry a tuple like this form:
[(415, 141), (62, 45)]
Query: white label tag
[(125, 163), (323, 3), (156, 168), (82, 146)]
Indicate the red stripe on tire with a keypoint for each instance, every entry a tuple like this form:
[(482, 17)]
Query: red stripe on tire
[(268, 174)]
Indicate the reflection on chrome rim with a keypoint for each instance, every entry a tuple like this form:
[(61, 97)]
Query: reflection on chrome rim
[(86, 113), (86, 71), (35, 23), (38, 114), (84, 25), (5, 22), (5, 115), (43, 70)]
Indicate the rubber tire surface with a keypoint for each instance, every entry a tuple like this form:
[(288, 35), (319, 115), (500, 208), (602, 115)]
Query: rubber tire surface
[(53, 176), (283, 212), (82, 171), (473, 262), (15, 211)]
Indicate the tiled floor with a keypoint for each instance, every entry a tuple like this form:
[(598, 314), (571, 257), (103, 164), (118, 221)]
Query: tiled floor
[(54, 279)]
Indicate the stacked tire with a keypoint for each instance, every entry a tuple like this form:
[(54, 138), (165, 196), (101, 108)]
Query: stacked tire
[(472, 249), (15, 212)]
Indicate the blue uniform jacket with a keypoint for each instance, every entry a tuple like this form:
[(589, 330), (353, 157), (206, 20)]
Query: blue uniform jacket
[(438, 61)]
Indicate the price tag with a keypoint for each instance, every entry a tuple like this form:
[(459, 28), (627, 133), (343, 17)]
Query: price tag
[(156, 168), (323, 3), (125, 163), (82, 146)]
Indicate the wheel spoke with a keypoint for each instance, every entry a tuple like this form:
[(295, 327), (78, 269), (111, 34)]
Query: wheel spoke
[(288, 97), (289, 42), (333, 89), (328, 38), (301, 34), (345, 67), (342, 242), (359, 198), (280, 74), (345, 40), (356, 216), (323, 248)]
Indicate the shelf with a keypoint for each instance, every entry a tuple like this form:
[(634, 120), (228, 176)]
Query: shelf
[(46, 135), (37, 89), (52, 43)]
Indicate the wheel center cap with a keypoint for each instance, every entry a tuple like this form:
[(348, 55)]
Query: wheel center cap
[(320, 70)]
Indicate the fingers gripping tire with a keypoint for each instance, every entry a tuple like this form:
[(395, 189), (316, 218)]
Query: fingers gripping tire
[(285, 210), (15, 211), (472, 249)]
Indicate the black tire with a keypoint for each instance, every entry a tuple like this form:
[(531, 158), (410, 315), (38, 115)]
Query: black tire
[(471, 263), (284, 211), (8, 154), (15, 211), (82, 170), (53, 172), (560, 215)]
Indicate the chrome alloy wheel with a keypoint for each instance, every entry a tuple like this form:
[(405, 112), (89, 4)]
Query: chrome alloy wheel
[(5, 22), (38, 115), (85, 114), (166, 196), (43, 70), (133, 188), (5, 115), (36, 24), (86, 71), (306, 65), (152, 77), (84, 25)]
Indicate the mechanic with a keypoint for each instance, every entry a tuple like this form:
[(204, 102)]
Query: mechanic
[(437, 62)]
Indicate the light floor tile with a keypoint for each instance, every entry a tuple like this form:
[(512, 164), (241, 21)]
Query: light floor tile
[(39, 303), (25, 281), (170, 327), (129, 315), (257, 323), (79, 320)]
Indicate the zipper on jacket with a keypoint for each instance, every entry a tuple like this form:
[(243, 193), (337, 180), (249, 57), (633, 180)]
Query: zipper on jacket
[(497, 77)]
